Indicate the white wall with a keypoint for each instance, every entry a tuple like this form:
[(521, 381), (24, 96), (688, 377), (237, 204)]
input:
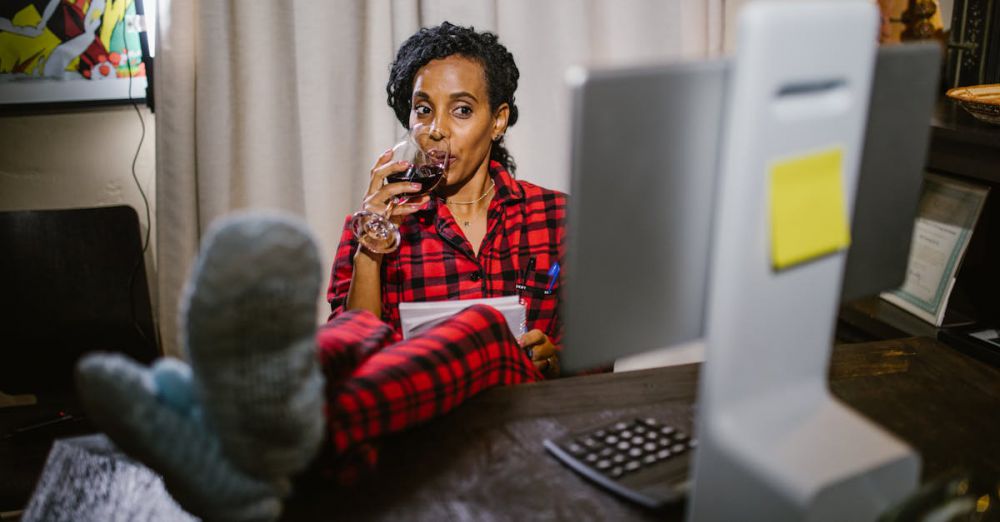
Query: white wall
[(79, 159)]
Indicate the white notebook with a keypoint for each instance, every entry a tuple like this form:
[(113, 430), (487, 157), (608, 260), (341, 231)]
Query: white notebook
[(417, 317)]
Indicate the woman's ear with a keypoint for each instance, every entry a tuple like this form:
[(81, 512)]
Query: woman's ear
[(500, 121)]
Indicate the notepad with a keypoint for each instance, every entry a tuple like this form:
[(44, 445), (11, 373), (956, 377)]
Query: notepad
[(416, 317), (808, 216)]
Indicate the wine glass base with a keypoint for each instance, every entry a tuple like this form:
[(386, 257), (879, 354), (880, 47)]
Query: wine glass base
[(375, 232)]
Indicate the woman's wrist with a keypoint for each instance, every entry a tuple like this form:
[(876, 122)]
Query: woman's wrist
[(364, 257)]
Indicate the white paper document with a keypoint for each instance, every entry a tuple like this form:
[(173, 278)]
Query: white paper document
[(417, 317), (947, 216)]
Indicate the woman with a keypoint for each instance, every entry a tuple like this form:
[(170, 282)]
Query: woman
[(481, 231), (265, 391)]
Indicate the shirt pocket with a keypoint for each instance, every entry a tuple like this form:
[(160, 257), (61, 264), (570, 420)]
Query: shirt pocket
[(540, 301), (537, 285)]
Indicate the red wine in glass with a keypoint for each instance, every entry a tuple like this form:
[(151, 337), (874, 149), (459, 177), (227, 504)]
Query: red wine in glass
[(427, 176), (426, 151)]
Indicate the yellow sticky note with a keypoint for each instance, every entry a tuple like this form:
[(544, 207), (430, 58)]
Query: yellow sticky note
[(808, 217)]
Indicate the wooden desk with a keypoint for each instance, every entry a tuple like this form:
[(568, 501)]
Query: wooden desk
[(486, 461)]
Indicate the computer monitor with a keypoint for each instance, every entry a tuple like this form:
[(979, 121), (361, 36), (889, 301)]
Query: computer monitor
[(643, 179), (903, 91), (640, 211)]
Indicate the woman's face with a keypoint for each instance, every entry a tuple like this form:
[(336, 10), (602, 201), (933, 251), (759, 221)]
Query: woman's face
[(451, 95)]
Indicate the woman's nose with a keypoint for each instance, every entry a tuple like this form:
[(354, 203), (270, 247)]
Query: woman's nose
[(437, 133)]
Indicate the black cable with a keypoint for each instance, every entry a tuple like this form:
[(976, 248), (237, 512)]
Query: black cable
[(135, 177), (142, 137)]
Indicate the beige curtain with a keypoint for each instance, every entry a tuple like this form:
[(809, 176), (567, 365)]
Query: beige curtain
[(281, 105)]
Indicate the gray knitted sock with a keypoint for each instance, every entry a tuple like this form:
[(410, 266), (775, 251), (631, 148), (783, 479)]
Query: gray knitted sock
[(248, 320), (148, 414)]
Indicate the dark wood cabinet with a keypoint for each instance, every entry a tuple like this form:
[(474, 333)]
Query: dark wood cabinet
[(967, 149)]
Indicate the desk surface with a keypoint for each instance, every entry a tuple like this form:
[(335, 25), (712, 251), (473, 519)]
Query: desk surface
[(487, 457)]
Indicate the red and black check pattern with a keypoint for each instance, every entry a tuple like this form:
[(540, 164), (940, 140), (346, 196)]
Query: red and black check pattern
[(435, 262), (375, 388)]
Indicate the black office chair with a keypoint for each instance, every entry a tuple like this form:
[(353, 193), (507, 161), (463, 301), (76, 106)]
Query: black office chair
[(71, 281)]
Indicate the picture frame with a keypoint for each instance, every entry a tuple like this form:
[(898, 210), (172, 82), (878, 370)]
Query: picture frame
[(73, 53)]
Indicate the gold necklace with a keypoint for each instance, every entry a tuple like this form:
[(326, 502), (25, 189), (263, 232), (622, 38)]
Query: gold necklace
[(473, 202), (466, 223)]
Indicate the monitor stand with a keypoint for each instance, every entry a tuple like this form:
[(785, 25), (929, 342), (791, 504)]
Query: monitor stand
[(773, 443)]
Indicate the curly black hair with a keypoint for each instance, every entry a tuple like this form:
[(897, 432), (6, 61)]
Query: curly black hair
[(432, 43)]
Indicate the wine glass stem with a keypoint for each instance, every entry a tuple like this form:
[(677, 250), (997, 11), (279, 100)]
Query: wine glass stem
[(393, 203)]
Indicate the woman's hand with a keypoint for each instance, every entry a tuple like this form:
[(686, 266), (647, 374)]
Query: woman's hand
[(380, 193), (543, 352)]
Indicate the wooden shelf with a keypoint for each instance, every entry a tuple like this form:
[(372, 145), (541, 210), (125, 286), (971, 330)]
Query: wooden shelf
[(962, 145)]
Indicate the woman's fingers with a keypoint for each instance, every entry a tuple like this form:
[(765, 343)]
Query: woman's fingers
[(539, 344), (531, 338), (549, 365), (380, 171), (411, 206), (376, 172), (542, 352), (553, 369), (377, 202)]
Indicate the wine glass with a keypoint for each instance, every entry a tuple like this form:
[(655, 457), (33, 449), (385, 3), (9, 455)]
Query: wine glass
[(426, 151)]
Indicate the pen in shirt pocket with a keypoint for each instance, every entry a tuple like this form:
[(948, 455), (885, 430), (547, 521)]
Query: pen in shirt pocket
[(522, 284), (553, 275)]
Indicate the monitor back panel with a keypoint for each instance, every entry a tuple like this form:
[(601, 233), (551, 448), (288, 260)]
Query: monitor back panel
[(895, 152), (644, 150)]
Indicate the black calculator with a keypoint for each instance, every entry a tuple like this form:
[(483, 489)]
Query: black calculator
[(643, 460)]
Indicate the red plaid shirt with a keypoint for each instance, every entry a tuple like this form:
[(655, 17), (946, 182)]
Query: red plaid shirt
[(435, 262), (375, 387)]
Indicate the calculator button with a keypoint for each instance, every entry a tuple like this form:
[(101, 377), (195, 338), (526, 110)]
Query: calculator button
[(649, 446), (637, 441), (651, 435), (591, 458), (649, 459), (600, 434), (626, 434), (665, 442), (603, 464), (678, 448), (611, 440), (623, 445), (640, 429), (575, 449), (667, 430), (681, 437), (618, 459), (589, 442), (635, 452), (651, 422), (632, 465), (664, 454), (616, 472), (606, 452), (692, 444), (621, 426)]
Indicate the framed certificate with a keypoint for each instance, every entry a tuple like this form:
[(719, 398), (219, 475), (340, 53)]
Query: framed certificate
[(946, 217)]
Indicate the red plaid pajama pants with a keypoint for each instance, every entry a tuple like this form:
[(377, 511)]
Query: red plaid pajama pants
[(375, 387)]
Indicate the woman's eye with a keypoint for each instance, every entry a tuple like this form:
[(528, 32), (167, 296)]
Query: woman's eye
[(422, 110), (463, 111)]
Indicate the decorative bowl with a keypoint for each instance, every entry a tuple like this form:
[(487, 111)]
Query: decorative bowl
[(981, 101)]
